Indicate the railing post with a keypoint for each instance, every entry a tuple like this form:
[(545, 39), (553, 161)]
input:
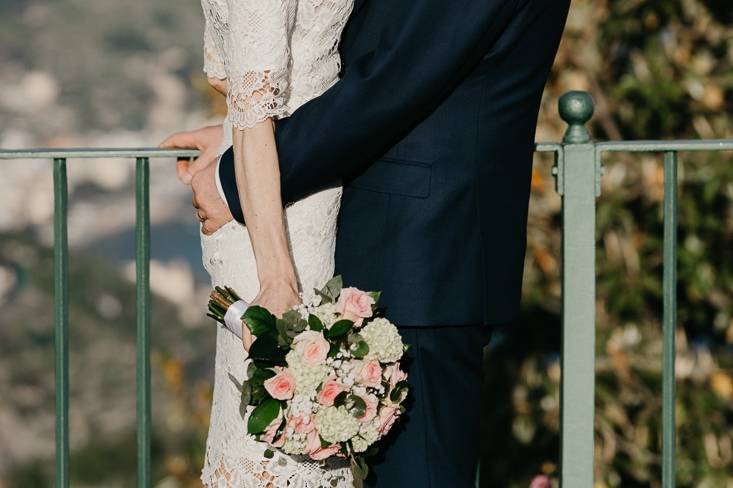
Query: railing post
[(669, 320), (579, 173), (61, 319), (142, 232)]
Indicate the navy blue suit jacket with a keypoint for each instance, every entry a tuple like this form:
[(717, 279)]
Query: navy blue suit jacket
[(431, 131)]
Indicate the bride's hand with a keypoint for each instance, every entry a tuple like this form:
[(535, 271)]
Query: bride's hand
[(207, 140), (277, 296), (222, 86)]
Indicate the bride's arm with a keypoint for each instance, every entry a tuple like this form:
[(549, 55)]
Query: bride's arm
[(258, 181), (257, 46)]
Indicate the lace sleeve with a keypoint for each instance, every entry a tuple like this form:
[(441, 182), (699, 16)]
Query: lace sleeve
[(258, 45), (213, 59)]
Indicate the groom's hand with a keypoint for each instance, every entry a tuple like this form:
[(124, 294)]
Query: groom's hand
[(211, 210), (207, 140)]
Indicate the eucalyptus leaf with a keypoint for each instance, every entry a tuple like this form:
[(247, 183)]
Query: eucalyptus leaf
[(235, 381), (245, 399), (324, 298), (375, 296), (284, 338), (262, 416), (360, 349), (332, 289)]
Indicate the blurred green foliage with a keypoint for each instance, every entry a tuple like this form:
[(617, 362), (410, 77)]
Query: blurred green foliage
[(656, 70)]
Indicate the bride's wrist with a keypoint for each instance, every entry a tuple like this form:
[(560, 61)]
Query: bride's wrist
[(279, 280)]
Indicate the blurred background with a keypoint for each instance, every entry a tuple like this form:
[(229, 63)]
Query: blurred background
[(117, 73)]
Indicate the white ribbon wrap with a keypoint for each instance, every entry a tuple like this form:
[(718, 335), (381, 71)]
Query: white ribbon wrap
[(233, 317)]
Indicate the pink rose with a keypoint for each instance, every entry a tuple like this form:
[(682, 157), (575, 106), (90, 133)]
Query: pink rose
[(281, 386), (329, 391), (387, 417), (271, 430), (302, 425), (314, 449), (371, 373), (393, 374), (541, 481), (371, 408), (355, 305), (311, 346)]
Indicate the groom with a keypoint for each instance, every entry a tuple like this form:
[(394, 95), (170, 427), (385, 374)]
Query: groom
[(431, 132)]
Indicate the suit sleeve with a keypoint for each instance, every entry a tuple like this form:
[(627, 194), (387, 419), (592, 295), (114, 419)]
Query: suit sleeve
[(424, 50)]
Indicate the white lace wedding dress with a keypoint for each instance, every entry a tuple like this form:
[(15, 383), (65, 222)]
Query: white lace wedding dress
[(275, 55)]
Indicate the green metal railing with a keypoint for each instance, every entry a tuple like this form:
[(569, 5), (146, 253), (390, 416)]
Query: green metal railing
[(578, 170), (61, 297)]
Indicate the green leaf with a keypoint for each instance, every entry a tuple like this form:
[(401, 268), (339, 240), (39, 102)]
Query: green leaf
[(359, 467), (259, 394), (358, 408), (269, 453), (340, 399), (262, 416), (399, 392), (339, 329), (256, 381), (259, 321), (315, 323), (360, 349), (251, 368), (266, 349), (260, 375), (333, 350), (375, 295)]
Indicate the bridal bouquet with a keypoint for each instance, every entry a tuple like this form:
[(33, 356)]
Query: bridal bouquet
[(325, 379)]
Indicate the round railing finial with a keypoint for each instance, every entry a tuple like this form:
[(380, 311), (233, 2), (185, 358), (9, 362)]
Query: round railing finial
[(576, 109)]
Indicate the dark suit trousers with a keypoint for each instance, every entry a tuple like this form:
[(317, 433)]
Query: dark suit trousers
[(436, 442)]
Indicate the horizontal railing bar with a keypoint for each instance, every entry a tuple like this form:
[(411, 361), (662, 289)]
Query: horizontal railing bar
[(665, 146), (608, 146), (149, 152), (548, 147)]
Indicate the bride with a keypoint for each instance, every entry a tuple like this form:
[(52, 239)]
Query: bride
[(267, 57)]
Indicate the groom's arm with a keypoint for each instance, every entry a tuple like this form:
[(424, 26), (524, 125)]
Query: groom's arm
[(426, 48)]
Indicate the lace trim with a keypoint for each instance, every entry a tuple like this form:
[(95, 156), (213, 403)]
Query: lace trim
[(213, 65), (257, 96), (278, 472)]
